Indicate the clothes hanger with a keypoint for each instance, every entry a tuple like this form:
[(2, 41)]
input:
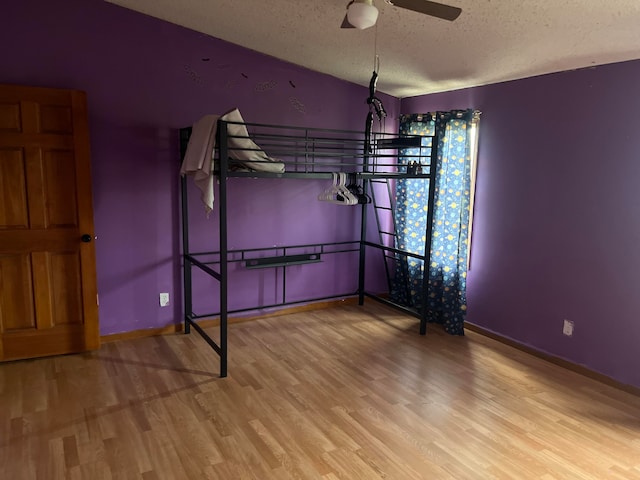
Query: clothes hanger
[(335, 193), (338, 192), (357, 190), (330, 192), (349, 197)]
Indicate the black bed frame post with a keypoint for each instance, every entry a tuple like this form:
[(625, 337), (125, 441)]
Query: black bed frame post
[(363, 222), (186, 271), (433, 168), (363, 239), (224, 270), (188, 308)]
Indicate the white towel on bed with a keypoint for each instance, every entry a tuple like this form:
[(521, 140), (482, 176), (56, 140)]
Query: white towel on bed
[(198, 159)]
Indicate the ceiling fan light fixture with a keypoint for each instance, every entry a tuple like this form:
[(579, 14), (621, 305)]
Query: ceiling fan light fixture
[(362, 14)]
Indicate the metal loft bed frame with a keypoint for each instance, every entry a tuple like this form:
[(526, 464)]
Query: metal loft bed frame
[(306, 153)]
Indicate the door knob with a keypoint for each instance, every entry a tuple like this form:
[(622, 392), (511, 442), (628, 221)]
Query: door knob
[(86, 238)]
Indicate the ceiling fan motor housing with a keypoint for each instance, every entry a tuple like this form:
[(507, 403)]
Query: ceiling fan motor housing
[(362, 14)]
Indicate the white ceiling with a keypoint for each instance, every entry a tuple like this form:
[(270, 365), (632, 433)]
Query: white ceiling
[(492, 41)]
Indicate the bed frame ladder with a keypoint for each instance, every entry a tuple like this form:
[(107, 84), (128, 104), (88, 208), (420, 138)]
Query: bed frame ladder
[(384, 207)]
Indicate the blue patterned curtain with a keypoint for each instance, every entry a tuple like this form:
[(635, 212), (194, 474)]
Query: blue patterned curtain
[(446, 286)]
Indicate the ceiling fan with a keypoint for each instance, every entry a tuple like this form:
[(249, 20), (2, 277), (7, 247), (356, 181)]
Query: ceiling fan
[(363, 14)]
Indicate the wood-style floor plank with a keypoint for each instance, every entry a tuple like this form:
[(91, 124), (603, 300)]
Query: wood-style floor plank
[(343, 393)]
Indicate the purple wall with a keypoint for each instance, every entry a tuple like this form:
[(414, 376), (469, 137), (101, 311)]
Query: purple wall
[(557, 213), (145, 79)]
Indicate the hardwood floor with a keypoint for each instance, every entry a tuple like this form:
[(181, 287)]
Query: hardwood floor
[(344, 393)]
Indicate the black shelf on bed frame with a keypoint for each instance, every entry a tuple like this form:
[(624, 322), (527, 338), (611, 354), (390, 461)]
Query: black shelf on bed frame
[(306, 153)]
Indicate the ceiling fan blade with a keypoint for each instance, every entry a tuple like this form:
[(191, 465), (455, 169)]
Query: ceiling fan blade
[(346, 24), (433, 9)]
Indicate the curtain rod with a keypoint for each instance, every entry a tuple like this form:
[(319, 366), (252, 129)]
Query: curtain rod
[(476, 114)]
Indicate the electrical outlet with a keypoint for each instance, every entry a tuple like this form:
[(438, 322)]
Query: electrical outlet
[(164, 299), (567, 328)]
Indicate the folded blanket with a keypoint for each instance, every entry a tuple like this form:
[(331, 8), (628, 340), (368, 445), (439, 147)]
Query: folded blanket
[(242, 148)]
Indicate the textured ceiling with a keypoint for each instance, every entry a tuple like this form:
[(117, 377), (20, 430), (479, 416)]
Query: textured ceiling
[(492, 41)]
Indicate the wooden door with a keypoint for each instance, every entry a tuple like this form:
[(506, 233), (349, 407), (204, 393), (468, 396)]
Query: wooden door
[(48, 295)]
